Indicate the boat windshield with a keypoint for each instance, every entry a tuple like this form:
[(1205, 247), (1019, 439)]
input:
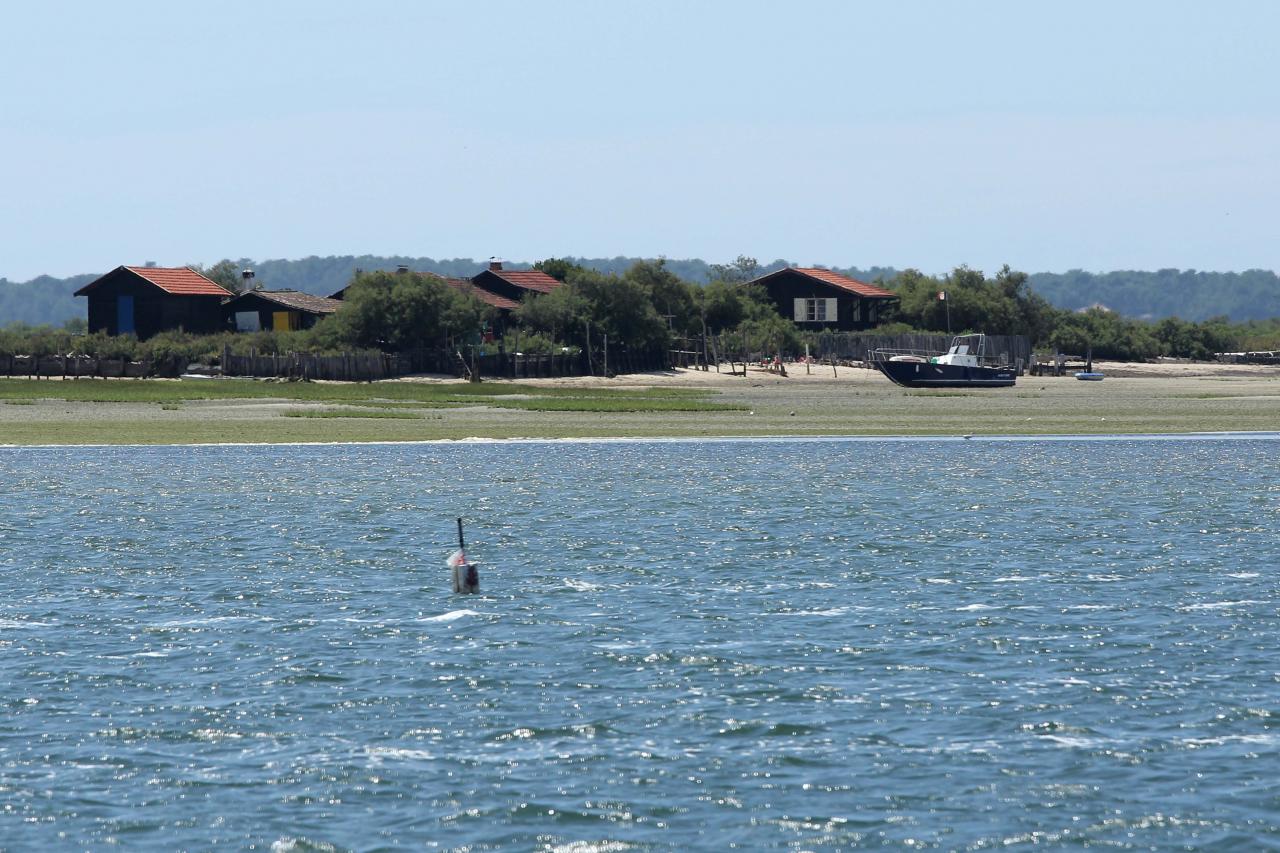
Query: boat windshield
[(974, 345)]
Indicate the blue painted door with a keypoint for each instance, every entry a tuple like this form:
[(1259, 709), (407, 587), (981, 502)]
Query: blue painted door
[(124, 315)]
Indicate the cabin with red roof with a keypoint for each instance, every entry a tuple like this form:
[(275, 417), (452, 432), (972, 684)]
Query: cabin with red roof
[(513, 285), (816, 298), (145, 301)]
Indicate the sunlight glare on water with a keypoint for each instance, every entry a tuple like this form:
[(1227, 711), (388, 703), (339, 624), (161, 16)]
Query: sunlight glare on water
[(774, 644)]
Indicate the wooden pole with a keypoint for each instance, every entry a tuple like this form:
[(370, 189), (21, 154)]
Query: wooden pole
[(466, 576), (705, 366)]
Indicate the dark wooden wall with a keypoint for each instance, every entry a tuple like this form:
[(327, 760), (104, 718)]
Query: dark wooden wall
[(784, 289), (154, 311), (265, 309)]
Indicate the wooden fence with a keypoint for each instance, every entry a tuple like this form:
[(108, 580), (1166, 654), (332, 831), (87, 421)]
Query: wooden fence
[(470, 362), (349, 367), (77, 366)]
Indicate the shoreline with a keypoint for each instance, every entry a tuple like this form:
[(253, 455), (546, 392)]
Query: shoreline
[(1270, 435), (856, 403)]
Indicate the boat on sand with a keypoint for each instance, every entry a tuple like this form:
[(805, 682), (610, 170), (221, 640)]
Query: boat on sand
[(965, 364)]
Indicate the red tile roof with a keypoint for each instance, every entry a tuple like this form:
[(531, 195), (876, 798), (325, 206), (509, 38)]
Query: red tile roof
[(180, 281), (844, 282), (528, 279), (480, 293)]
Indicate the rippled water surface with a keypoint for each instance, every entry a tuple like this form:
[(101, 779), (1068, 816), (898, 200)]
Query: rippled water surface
[(775, 644)]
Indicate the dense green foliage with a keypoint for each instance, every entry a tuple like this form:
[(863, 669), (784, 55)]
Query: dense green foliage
[(49, 300), (648, 306), (1005, 304), (399, 312), (1189, 294)]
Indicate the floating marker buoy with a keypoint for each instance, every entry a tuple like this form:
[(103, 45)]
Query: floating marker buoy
[(466, 576)]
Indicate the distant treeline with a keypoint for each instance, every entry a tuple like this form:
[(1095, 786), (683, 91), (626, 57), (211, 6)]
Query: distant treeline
[(1187, 294)]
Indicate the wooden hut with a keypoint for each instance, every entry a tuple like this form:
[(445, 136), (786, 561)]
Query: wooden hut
[(147, 300), (817, 298), (513, 285), (277, 310)]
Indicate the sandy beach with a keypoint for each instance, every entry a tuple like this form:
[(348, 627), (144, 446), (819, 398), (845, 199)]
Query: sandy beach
[(1171, 397)]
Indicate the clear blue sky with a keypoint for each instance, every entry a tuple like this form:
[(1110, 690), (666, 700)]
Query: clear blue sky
[(1045, 135)]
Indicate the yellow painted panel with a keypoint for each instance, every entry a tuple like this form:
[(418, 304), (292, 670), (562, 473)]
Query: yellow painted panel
[(284, 321)]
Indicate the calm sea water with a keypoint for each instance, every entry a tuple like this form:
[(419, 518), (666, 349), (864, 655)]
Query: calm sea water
[(767, 645)]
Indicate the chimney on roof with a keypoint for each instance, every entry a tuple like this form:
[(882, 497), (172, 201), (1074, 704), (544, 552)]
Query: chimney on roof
[(246, 276), (495, 264), (402, 269)]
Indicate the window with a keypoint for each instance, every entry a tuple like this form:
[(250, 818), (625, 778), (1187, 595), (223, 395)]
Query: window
[(815, 311)]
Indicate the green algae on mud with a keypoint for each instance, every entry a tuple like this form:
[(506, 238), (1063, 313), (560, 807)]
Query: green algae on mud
[(221, 411)]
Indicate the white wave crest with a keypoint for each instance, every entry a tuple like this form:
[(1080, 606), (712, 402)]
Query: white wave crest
[(450, 616)]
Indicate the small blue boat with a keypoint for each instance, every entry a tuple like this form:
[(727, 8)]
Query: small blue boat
[(1090, 376)]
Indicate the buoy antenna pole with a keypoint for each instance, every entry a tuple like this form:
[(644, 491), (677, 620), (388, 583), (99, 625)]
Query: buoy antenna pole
[(466, 577)]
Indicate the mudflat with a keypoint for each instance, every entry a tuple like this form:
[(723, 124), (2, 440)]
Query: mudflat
[(809, 401)]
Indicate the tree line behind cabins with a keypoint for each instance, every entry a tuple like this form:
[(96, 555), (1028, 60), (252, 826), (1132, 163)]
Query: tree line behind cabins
[(1194, 295), (647, 309)]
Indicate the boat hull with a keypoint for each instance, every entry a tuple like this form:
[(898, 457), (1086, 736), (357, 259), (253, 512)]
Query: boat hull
[(917, 374)]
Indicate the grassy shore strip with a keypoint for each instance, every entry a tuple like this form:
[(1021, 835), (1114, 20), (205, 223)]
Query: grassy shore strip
[(170, 391), (860, 404)]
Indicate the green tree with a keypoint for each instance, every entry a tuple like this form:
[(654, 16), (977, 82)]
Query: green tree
[(1004, 305), (558, 268), (622, 308), (394, 311), (225, 272), (742, 270), (558, 315), (722, 305), (672, 298)]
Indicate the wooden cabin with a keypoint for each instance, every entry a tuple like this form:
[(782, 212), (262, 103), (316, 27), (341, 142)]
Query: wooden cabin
[(816, 298), (513, 285), (277, 310), (145, 301)]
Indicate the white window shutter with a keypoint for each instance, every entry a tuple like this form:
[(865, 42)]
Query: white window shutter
[(800, 314), (831, 310)]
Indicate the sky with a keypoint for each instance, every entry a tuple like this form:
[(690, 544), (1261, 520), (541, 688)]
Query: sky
[(1046, 135)]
